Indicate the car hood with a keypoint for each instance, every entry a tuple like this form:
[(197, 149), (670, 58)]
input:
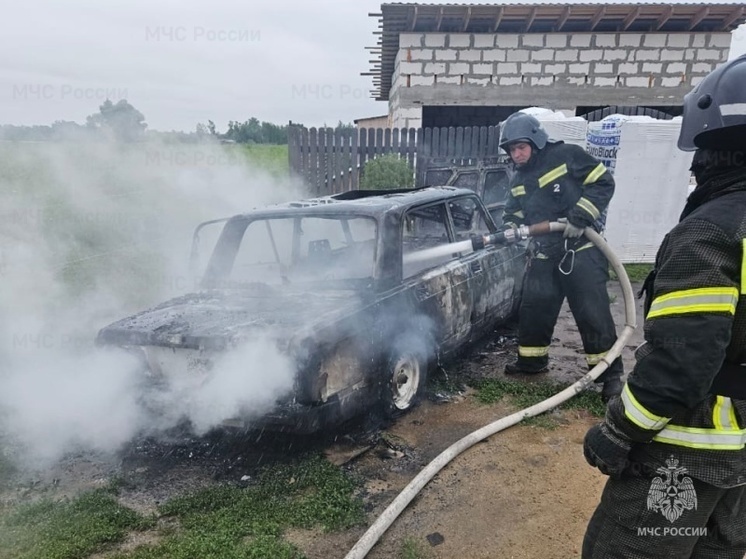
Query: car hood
[(219, 319)]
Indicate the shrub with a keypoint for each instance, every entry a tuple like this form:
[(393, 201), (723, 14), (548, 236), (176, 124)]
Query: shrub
[(387, 172)]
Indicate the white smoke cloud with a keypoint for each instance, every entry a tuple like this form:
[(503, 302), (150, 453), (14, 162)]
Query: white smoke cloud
[(90, 233)]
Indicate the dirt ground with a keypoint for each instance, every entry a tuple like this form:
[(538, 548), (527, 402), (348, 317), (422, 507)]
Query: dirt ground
[(523, 493)]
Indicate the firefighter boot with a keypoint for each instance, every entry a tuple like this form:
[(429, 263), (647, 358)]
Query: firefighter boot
[(527, 366)]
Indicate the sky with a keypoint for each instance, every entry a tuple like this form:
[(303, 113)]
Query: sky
[(188, 61)]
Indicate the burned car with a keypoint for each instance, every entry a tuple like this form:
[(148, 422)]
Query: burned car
[(363, 290)]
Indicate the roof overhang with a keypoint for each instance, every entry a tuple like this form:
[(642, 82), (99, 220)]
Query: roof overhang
[(538, 18)]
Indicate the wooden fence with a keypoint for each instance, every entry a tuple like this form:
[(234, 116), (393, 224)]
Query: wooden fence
[(332, 160)]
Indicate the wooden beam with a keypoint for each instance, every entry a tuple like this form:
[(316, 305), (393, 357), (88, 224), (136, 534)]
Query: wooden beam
[(734, 15), (411, 19), (531, 17), (563, 18), (630, 18), (597, 17), (498, 19), (698, 17), (665, 16), (439, 19), (467, 19)]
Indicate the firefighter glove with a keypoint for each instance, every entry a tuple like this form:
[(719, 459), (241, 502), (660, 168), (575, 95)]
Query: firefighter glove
[(571, 231), (606, 449)]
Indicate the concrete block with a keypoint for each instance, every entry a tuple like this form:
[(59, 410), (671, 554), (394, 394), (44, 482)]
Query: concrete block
[(555, 68), (582, 40), (435, 68), (628, 68), (636, 82), (566, 55), (672, 54), (422, 54), (594, 54), (506, 41), (604, 82), (517, 56), (630, 39), (532, 40), (459, 40), (702, 68), (652, 68), (572, 80), (579, 69), (543, 55), (654, 40), (470, 55), (542, 80), (480, 81), (410, 68), (435, 40), (556, 40), (616, 54), (699, 40), (679, 40), (671, 82), (605, 40), (708, 54), (484, 40), (720, 40), (493, 55), (445, 55), (507, 68), (691, 54), (676, 68), (421, 80), (603, 68), (527, 68), (695, 81), (505, 80), (407, 40), (457, 68), (649, 54), (483, 69), (449, 79)]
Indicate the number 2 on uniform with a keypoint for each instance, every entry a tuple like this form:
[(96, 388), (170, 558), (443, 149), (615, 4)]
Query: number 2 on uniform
[(556, 187)]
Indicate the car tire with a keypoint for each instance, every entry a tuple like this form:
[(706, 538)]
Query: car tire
[(403, 382)]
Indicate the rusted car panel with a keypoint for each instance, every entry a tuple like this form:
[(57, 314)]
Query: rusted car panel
[(363, 290)]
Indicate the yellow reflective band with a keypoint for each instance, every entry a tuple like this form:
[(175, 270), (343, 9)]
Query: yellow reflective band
[(639, 415), (524, 351), (723, 415), (743, 269), (595, 358), (518, 190), (709, 439), (589, 207), (552, 175), (702, 300), (585, 246), (519, 213), (595, 174)]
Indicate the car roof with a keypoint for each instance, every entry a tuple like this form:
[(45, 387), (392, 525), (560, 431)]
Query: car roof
[(361, 202)]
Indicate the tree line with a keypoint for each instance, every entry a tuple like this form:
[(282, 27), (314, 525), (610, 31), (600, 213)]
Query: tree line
[(122, 122)]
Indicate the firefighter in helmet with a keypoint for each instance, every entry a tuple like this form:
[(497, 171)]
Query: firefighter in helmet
[(674, 443), (558, 181)]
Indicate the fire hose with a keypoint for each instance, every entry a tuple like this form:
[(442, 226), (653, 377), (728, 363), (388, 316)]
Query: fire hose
[(372, 535)]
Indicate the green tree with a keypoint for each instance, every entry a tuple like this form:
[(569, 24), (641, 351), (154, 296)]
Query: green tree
[(387, 172), (123, 121)]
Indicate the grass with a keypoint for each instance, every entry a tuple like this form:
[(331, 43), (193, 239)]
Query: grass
[(526, 394), (221, 522), (635, 272), (413, 549)]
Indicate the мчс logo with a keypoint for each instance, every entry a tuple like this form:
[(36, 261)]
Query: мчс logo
[(673, 493)]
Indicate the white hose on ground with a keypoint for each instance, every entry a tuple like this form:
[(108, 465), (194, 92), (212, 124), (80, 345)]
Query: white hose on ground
[(372, 535)]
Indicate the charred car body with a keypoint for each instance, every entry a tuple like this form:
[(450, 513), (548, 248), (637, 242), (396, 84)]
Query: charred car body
[(364, 290)]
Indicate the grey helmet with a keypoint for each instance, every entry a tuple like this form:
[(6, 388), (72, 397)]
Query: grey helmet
[(715, 110), (523, 127)]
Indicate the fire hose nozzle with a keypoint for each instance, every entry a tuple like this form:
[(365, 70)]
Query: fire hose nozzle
[(514, 234)]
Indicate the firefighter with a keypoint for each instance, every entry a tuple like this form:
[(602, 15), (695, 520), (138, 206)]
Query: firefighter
[(673, 444), (558, 181)]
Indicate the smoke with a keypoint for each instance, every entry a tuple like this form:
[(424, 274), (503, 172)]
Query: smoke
[(90, 233)]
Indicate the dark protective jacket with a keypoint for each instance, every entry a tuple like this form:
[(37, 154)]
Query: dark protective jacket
[(686, 397), (561, 180)]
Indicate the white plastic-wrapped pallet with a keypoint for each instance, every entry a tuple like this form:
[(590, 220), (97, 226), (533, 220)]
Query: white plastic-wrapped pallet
[(652, 181), (569, 129)]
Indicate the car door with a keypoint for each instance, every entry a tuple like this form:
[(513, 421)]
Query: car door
[(439, 275)]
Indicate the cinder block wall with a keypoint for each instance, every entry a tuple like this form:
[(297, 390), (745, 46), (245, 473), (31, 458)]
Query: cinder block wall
[(558, 70)]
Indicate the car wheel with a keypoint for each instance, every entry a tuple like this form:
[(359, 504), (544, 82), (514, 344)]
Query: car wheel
[(403, 383)]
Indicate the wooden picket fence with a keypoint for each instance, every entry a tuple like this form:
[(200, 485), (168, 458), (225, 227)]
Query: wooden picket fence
[(332, 160)]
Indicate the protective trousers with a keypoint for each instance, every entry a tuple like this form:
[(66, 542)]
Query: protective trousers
[(544, 290), (626, 526)]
